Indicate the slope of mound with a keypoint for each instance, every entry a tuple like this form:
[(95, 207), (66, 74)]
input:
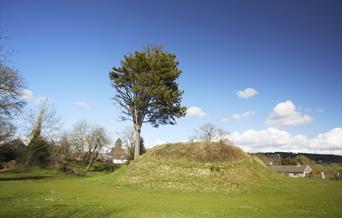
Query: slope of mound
[(199, 166)]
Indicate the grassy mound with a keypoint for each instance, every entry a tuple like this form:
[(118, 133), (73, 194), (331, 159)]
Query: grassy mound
[(202, 166)]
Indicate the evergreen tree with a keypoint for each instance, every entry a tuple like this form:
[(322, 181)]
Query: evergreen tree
[(38, 148), (146, 89)]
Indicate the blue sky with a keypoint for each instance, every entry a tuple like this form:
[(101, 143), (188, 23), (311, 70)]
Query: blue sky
[(289, 51)]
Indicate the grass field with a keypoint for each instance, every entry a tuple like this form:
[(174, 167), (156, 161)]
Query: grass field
[(44, 193)]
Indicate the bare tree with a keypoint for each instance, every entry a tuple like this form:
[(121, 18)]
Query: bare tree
[(6, 131), (222, 136), (11, 88), (11, 102), (4, 51), (98, 139), (80, 137), (209, 132), (51, 123), (128, 137), (60, 152), (88, 140)]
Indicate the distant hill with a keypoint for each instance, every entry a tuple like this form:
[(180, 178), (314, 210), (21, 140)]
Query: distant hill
[(200, 166), (319, 158)]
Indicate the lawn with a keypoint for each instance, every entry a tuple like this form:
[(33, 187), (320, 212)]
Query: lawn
[(41, 193)]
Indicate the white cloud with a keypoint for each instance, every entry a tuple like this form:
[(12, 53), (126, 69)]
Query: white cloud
[(272, 139), (81, 104), (246, 114), (27, 95), (328, 140), (247, 93), (195, 112), (285, 114)]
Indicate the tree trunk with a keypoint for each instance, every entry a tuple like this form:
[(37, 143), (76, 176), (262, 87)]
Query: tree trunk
[(92, 158), (137, 140), (89, 165), (85, 156)]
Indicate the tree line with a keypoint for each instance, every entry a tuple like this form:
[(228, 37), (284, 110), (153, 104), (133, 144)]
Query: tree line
[(145, 87)]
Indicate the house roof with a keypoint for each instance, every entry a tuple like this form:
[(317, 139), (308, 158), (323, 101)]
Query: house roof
[(291, 169)]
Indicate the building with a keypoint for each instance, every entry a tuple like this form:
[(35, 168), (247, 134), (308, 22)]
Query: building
[(293, 171), (119, 155), (105, 157)]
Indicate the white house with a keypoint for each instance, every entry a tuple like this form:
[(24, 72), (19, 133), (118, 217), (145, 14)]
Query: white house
[(293, 171), (119, 155)]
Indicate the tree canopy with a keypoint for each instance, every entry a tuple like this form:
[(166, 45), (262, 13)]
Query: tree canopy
[(146, 88)]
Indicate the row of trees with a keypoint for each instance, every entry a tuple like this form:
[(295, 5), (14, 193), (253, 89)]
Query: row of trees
[(49, 145), (46, 143), (145, 87)]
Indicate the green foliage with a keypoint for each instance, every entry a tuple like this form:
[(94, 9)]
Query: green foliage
[(38, 152), (303, 160), (297, 160), (288, 161), (98, 166), (146, 87), (105, 167), (13, 150)]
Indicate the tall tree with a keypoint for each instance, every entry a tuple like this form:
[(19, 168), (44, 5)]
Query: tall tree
[(11, 89), (146, 89), (51, 123), (37, 149), (44, 128)]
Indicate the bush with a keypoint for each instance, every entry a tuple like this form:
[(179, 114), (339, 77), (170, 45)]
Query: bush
[(38, 152), (13, 150), (105, 167)]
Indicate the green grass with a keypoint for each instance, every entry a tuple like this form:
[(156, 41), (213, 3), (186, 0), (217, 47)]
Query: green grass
[(174, 180), (200, 166), (71, 196)]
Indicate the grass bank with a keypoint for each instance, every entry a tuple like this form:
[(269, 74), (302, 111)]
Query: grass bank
[(69, 196)]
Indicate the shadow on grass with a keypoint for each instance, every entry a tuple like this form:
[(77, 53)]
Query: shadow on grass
[(23, 178)]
